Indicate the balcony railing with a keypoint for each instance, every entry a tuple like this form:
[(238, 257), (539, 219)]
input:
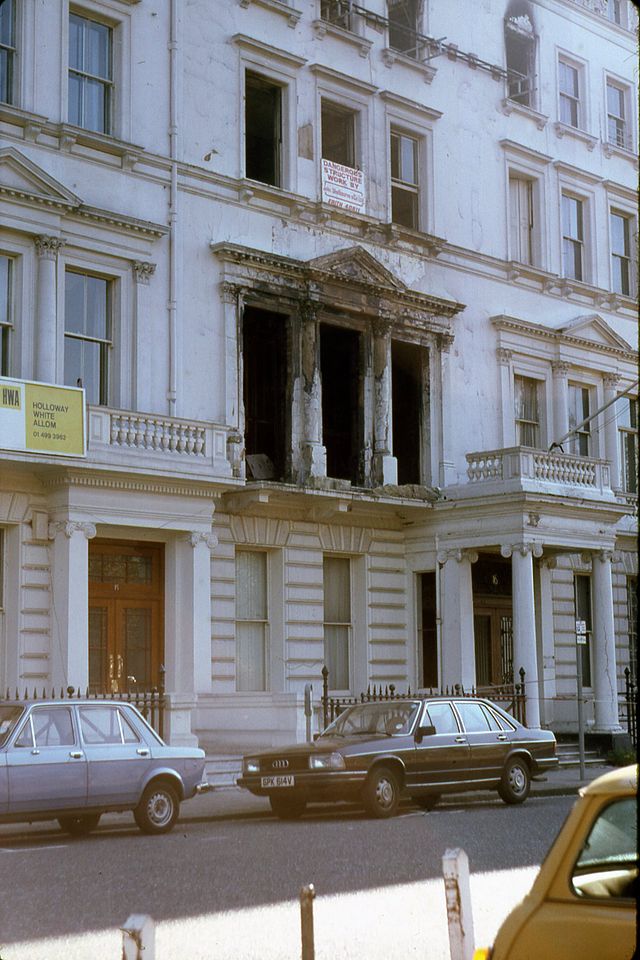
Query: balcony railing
[(525, 463), (165, 443)]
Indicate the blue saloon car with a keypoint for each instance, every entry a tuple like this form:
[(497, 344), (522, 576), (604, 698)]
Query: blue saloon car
[(72, 761)]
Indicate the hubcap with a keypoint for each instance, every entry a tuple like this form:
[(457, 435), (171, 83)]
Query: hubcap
[(385, 793), (517, 779), (159, 809)]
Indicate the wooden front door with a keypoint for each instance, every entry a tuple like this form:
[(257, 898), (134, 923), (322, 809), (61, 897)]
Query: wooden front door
[(126, 604)]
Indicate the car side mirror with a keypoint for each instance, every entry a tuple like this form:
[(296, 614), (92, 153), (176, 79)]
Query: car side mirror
[(427, 730)]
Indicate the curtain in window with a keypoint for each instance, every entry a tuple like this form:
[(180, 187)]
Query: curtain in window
[(526, 413), (337, 620), (251, 620)]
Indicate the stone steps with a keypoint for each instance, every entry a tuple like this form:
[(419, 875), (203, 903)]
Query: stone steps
[(569, 755)]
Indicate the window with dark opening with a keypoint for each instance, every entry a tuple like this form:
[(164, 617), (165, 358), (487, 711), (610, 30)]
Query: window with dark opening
[(338, 129), (519, 43), (403, 26), (264, 343), (405, 189), (407, 405), (428, 632), (263, 130), (341, 406), (337, 12)]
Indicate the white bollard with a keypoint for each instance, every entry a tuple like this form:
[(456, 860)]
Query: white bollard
[(455, 869), (138, 938)]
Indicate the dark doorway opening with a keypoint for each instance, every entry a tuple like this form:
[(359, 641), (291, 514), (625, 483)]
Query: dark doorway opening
[(428, 631), (492, 620), (406, 393), (340, 363), (263, 130), (264, 342)]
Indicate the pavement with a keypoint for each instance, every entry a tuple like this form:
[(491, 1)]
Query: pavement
[(232, 803)]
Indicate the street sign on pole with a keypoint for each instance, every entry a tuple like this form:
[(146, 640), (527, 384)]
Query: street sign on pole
[(581, 640)]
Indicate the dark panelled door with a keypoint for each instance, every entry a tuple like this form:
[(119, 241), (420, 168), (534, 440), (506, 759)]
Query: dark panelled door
[(126, 602)]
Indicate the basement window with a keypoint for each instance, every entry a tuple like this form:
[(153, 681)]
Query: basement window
[(264, 343), (340, 364), (263, 130), (338, 134), (408, 398)]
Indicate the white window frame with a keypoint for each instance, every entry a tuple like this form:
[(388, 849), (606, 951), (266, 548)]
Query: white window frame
[(14, 59), (109, 13), (104, 344), (568, 58), (571, 445), (22, 253), (578, 241), (540, 388), (406, 117), (265, 621), (524, 164), (629, 107), (570, 183), (624, 429), (280, 68), (7, 322), (632, 222), (350, 625)]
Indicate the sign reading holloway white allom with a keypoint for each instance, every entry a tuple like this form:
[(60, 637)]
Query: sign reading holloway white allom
[(342, 186), (42, 418)]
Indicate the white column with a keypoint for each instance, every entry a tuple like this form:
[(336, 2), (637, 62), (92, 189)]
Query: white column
[(314, 454), (143, 339), (69, 651), (604, 644), (384, 467), (546, 637), (46, 327), (231, 296), (447, 472), (611, 437), (506, 394), (560, 372), (456, 610), (524, 623)]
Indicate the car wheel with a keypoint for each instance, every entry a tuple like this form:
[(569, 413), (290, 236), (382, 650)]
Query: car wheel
[(287, 808), (79, 826), (427, 801), (381, 793), (158, 809), (516, 781)]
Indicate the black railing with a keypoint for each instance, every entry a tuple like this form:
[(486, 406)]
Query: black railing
[(150, 703), (627, 707), (510, 696)]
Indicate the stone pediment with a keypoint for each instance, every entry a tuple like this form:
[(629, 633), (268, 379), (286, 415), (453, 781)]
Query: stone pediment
[(23, 179), (355, 263), (592, 327)]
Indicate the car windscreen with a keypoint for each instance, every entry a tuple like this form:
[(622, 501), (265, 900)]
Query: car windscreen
[(8, 718), (374, 720)]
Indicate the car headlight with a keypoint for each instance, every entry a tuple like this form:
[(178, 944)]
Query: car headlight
[(327, 761), (251, 766)]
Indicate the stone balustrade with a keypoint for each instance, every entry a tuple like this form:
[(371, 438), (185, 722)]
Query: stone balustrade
[(513, 463)]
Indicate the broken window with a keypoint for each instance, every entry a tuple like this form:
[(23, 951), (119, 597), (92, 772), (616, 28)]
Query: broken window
[(264, 343), (405, 189), (263, 130), (407, 363), (520, 46), (340, 363), (338, 134), (403, 26), (337, 12)]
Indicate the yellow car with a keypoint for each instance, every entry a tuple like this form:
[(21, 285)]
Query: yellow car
[(583, 901)]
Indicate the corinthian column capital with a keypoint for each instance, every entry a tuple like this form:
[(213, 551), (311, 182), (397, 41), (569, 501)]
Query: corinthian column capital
[(48, 248)]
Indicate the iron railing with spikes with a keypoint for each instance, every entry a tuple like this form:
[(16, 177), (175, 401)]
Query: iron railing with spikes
[(510, 696), (150, 703)]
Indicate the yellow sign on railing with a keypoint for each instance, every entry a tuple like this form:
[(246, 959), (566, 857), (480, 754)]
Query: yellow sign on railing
[(42, 418)]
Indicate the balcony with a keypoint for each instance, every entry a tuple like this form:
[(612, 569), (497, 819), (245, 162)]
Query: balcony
[(524, 468), (168, 446)]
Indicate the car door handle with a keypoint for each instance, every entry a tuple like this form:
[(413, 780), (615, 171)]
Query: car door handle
[(461, 739), (142, 752), (35, 752), (502, 736), (76, 754)]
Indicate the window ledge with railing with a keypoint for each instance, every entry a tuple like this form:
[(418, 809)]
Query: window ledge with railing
[(620, 148), (142, 441), (323, 28), (520, 468), (414, 62)]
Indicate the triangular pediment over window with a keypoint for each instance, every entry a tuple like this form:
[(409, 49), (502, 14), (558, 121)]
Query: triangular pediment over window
[(355, 263), (593, 327), (24, 180)]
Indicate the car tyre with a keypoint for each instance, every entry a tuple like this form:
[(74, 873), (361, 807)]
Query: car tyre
[(79, 826), (427, 801), (287, 808), (158, 809), (381, 794), (516, 781)]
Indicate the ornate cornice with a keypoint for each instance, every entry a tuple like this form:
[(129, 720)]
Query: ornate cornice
[(143, 271), (142, 485), (48, 248), (69, 527)]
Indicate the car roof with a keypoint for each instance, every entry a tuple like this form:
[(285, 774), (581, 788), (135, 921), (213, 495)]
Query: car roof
[(82, 702), (624, 780)]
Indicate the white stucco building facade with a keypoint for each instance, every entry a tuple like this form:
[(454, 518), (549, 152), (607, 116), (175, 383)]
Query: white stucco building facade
[(345, 286)]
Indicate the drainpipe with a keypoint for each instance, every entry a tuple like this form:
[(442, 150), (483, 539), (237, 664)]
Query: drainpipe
[(172, 304)]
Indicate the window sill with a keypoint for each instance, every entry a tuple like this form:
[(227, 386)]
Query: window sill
[(323, 28), (70, 137), (613, 150), (277, 6), (512, 106), (390, 57), (32, 123), (565, 130)]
